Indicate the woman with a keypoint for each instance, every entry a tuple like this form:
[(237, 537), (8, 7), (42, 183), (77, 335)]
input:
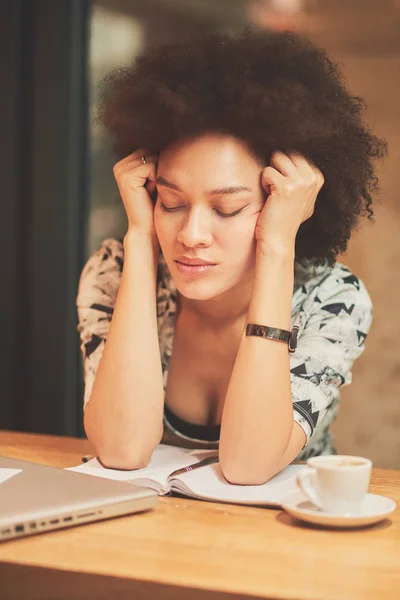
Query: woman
[(243, 167)]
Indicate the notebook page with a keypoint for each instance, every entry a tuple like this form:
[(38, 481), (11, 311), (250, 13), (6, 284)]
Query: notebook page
[(164, 460), (208, 483)]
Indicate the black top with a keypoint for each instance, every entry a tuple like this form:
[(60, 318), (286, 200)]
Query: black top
[(206, 433)]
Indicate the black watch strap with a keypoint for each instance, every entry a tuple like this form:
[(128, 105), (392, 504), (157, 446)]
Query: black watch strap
[(273, 333)]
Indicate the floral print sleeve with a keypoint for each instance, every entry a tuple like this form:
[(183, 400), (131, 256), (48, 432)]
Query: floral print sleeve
[(334, 320), (97, 292)]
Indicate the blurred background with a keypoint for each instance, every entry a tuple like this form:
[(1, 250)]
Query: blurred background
[(58, 190)]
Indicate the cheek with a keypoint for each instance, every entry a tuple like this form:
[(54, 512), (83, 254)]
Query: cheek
[(240, 238), (239, 250)]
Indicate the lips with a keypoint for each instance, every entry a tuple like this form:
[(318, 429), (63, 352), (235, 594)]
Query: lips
[(193, 262), (194, 270), (198, 264)]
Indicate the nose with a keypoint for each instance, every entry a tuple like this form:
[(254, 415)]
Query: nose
[(196, 229)]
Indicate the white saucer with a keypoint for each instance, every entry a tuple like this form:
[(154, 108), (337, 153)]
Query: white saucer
[(373, 509)]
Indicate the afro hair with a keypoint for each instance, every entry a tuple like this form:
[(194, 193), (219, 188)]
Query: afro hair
[(273, 91)]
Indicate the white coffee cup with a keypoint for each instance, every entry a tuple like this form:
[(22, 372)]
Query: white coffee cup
[(336, 484)]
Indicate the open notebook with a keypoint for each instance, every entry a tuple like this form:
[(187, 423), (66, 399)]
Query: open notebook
[(204, 482)]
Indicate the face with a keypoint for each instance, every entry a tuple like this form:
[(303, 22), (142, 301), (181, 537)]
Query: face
[(209, 199)]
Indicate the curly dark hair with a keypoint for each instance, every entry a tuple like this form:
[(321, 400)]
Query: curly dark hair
[(270, 90)]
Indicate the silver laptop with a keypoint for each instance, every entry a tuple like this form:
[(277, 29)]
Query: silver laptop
[(35, 498)]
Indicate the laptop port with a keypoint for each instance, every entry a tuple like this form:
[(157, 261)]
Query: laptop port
[(54, 521), (19, 529), (66, 519), (32, 525)]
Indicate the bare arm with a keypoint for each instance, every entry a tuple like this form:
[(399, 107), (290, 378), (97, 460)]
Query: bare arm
[(257, 421), (258, 436), (123, 417)]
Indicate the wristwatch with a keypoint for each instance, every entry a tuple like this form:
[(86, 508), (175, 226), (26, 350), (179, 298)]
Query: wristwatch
[(273, 333)]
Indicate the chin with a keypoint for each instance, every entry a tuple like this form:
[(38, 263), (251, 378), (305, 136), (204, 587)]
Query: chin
[(197, 290)]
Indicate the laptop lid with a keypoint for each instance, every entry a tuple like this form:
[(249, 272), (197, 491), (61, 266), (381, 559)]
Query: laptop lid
[(36, 498)]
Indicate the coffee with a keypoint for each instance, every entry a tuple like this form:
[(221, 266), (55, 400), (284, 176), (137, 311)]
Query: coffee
[(348, 462), (339, 461)]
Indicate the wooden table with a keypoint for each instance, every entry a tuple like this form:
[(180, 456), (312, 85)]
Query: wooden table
[(193, 550)]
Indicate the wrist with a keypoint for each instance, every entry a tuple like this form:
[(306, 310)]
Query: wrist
[(133, 237), (277, 248), (142, 247)]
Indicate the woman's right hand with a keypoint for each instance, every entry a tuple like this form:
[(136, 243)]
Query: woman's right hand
[(136, 181)]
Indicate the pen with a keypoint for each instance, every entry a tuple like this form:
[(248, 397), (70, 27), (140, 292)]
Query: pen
[(202, 463), (86, 458)]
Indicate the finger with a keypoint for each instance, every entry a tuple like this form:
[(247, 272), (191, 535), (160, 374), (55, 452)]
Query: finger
[(136, 173), (320, 177), (150, 184), (272, 179), (306, 167), (139, 153), (302, 165), (134, 156), (152, 176), (143, 169), (316, 177), (151, 187), (284, 164), (138, 162)]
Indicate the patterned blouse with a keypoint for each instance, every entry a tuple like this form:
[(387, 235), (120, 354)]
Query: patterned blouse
[(330, 306)]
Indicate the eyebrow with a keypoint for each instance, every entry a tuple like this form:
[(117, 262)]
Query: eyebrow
[(232, 189)]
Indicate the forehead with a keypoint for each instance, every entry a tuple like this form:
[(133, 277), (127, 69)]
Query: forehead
[(214, 158)]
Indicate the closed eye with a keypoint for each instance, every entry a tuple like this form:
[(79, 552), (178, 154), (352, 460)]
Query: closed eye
[(219, 213)]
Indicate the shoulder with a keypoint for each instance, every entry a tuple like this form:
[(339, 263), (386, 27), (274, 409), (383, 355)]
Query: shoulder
[(335, 284), (331, 302), (341, 290), (101, 274)]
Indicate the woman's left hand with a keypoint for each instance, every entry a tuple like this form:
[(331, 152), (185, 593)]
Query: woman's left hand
[(292, 184)]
